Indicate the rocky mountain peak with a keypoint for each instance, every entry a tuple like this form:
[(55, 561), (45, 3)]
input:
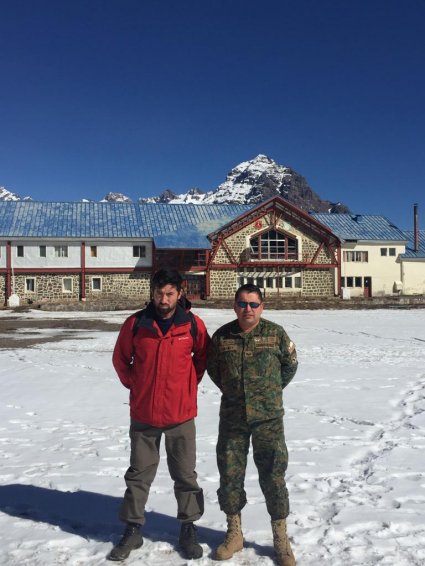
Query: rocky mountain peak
[(5, 194), (116, 197)]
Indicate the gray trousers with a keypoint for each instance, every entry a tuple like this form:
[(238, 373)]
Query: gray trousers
[(180, 446)]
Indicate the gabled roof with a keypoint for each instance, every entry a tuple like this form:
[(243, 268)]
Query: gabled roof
[(361, 227), (170, 225), (291, 212), (410, 246)]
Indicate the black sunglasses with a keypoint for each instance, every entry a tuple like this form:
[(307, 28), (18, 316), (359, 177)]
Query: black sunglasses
[(244, 304)]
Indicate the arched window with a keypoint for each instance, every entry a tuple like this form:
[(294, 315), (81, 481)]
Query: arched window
[(273, 245)]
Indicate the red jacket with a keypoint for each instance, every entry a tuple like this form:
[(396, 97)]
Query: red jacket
[(160, 371)]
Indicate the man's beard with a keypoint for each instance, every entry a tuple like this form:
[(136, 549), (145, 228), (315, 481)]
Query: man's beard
[(163, 310)]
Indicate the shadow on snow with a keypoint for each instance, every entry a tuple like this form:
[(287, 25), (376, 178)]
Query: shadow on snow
[(95, 515)]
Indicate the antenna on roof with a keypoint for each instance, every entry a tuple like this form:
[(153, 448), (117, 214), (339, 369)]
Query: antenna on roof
[(415, 228)]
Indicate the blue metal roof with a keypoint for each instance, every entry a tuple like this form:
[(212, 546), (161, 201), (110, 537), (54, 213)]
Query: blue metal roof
[(360, 227), (410, 246), (170, 225)]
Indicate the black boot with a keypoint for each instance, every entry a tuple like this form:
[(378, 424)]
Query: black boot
[(131, 539), (189, 541)]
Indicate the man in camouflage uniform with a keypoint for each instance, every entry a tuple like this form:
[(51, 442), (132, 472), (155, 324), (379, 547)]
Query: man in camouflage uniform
[(251, 360)]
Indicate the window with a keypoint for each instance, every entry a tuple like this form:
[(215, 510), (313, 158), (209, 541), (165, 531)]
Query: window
[(358, 282), (96, 284), (93, 251), (42, 251), (20, 251), (67, 285), (269, 282), (139, 251), (30, 284), (273, 245), (350, 281), (61, 251), (356, 256), (388, 252)]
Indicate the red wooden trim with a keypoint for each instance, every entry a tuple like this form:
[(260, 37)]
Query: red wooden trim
[(321, 266), (229, 252), (83, 271), (8, 269), (224, 266), (208, 277), (338, 283), (317, 252), (215, 248)]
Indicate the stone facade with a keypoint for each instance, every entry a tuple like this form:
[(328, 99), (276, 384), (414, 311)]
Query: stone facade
[(318, 283), (47, 286), (3, 286), (125, 285), (223, 283)]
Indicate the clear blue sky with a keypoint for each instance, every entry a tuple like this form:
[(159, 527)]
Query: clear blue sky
[(138, 96)]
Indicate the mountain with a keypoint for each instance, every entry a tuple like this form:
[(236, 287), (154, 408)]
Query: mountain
[(5, 194), (116, 197), (250, 182), (253, 181)]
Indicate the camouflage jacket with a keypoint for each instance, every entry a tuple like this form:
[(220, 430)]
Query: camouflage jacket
[(251, 369)]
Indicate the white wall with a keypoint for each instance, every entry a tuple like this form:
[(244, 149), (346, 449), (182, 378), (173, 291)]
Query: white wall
[(32, 255), (413, 277), (118, 254), (384, 270), (3, 255), (109, 254)]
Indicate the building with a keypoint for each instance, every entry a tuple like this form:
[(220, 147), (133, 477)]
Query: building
[(377, 258), (86, 251)]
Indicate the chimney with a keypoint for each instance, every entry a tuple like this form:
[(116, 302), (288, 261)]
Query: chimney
[(415, 228)]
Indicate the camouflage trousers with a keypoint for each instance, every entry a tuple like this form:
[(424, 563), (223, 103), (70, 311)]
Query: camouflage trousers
[(270, 456)]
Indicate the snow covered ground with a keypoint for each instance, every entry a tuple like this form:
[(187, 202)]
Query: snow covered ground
[(355, 427)]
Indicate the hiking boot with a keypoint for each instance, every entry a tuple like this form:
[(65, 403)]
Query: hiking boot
[(188, 541), (130, 540), (284, 554), (233, 541)]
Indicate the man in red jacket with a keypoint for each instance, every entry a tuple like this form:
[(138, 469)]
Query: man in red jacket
[(160, 356)]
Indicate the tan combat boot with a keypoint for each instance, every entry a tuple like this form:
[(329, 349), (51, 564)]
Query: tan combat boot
[(233, 541), (285, 556)]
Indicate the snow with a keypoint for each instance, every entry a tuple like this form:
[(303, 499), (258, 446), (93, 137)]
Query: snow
[(355, 424)]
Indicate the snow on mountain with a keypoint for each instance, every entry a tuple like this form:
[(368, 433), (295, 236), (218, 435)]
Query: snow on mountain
[(194, 196), (116, 197), (5, 194), (252, 182)]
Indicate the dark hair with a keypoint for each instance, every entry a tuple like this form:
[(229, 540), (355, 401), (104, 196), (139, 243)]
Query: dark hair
[(249, 288), (167, 277)]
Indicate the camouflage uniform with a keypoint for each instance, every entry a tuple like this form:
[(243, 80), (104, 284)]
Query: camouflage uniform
[(251, 369)]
